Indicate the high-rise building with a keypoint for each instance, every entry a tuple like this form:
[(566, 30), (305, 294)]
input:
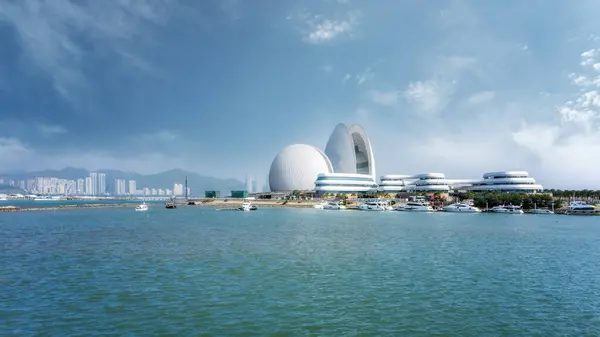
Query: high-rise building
[(101, 183), (120, 187), (94, 184), (89, 186), (80, 187), (177, 189), (132, 187)]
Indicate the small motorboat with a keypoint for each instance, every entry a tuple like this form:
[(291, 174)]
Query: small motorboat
[(141, 208), (171, 205), (247, 207)]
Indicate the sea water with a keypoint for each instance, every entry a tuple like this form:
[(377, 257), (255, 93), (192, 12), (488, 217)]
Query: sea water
[(283, 272)]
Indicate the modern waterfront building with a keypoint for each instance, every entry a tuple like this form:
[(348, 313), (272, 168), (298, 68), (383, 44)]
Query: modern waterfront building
[(344, 183), (393, 183), (296, 167), (429, 182), (506, 181), (346, 165), (425, 182)]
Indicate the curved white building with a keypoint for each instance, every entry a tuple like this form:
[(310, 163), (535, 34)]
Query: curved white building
[(428, 182), (345, 183), (349, 150), (347, 165), (393, 182), (506, 181), (296, 167)]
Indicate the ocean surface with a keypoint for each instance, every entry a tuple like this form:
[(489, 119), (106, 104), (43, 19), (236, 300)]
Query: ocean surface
[(194, 271)]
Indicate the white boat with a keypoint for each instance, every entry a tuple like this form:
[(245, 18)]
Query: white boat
[(581, 208), (142, 207), (416, 206), (333, 206), (373, 206), (461, 208), (536, 210), (510, 209), (320, 205), (246, 206)]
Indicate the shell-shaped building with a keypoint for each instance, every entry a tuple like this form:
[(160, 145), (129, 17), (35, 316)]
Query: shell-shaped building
[(296, 167), (347, 165)]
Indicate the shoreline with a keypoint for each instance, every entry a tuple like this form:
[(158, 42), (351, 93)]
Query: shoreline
[(277, 204), (207, 203)]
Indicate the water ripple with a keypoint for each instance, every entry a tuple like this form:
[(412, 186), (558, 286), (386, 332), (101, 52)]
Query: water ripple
[(280, 272)]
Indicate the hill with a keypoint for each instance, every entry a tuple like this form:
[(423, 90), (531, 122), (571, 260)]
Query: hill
[(196, 182)]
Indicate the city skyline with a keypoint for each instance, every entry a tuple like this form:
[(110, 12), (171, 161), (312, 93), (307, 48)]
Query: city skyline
[(92, 185), (460, 87)]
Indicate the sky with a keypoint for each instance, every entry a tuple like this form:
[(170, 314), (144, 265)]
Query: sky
[(220, 87)]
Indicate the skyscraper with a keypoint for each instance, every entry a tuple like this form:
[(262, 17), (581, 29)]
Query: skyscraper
[(89, 186), (132, 187), (101, 183), (80, 187), (94, 181), (120, 187), (177, 189)]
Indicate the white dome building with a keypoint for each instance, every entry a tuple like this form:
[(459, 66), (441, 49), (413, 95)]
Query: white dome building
[(347, 165), (296, 168)]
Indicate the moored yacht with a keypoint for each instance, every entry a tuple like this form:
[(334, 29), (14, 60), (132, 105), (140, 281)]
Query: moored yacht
[(333, 206), (416, 206), (142, 207), (536, 210), (461, 208), (320, 205), (510, 209), (373, 206), (581, 208)]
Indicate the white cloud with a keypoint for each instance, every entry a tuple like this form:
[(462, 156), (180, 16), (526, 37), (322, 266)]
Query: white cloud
[(481, 97), (588, 57), (385, 98), (346, 78), (51, 33), (323, 30), (366, 75), (430, 97), (571, 148), (360, 78)]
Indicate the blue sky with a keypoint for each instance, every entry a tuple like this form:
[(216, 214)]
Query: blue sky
[(219, 87)]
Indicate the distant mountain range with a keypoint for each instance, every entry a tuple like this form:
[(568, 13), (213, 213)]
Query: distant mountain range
[(196, 182)]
